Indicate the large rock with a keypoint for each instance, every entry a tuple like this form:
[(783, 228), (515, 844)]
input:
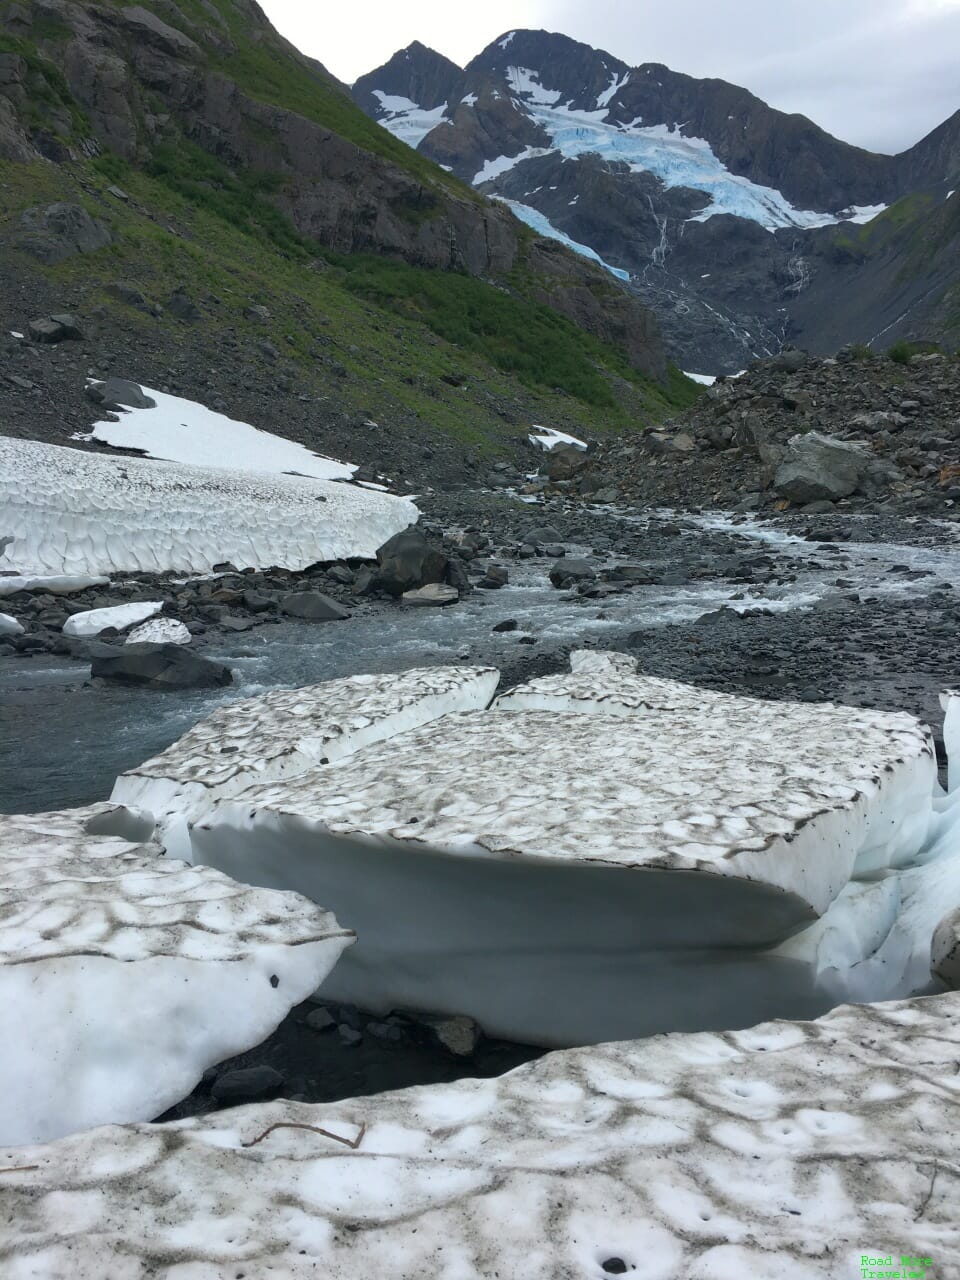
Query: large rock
[(565, 461), (408, 561), (816, 467), (569, 569), (53, 329), (119, 393), (60, 231), (313, 606), (159, 666)]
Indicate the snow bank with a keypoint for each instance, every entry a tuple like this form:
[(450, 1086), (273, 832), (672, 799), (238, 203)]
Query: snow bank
[(284, 733), (92, 621), (87, 513), (784, 1150), (124, 975), (530, 855), (55, 585), (547, 439), (9, 626), (179, 430)]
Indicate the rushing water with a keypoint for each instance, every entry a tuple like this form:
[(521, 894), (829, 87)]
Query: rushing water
[(63, 743)]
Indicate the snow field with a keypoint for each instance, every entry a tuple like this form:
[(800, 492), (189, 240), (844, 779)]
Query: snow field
[(82, 514), (111, 960)]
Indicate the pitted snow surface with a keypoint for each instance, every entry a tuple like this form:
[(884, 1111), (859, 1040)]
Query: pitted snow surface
[(160, 631), (124, 974), (766, 792), (289, 730), (784, 1150), (86, 513)]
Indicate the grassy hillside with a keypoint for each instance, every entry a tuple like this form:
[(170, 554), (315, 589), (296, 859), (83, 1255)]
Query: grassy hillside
[(476, 359)]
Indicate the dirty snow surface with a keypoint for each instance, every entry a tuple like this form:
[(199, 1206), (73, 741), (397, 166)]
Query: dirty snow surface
[(125, 974), (790, 1149), (86, 513), (600, 855), (287, 732)]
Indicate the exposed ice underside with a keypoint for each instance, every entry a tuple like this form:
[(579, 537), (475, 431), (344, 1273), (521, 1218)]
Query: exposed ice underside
[(85, 513), (124, 974), (600, 855), (787, 1150)]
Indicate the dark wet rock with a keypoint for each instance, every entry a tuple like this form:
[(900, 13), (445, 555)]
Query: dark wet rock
[(119, 393), (249, 1084), (53, 329), (313, 606), (157, 666), (408, 561), (182, 306), (567, 571)]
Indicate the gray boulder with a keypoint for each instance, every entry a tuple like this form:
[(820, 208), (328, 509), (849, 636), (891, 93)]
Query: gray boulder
[(565, 461), (53, 329), (815, 468), (59, 231), (157, 666), (128, 293), (567, 571), (182, 306), (247, 1084), (407, 561), (313, 606), (118, 393)]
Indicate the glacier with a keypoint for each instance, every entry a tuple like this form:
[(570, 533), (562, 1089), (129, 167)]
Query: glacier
[(598, 855), (74, 513), (535, 219), (125, 974), (677, 159), (787, 1150)]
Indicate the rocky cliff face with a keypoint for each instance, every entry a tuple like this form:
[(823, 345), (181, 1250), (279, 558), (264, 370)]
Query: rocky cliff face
[(134, 78), (726, 213)]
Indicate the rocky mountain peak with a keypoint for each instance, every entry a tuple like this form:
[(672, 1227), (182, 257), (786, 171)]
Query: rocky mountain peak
[(417, 72)]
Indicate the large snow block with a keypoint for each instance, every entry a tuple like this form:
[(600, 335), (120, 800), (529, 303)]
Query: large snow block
[(86, 513), (591, 868), (124, 974), (284, 733), (784, 1150)]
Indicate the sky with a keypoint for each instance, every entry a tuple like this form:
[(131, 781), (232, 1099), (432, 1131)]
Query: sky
[(877, 73)]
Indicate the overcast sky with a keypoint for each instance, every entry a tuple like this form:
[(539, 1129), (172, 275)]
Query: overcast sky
[(879, 73)]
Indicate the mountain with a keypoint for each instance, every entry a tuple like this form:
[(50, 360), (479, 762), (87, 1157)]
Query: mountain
[(724, 213), (214, 207)]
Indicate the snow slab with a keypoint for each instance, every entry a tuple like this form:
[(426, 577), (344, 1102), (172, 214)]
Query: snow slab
[(125, 974), (9, 626), (289, 731), (179, 430), (78, 513), (547, 439), (92, 621), (160, 631), (54, 585), (705, 379), (530, 854), (786, 1150)]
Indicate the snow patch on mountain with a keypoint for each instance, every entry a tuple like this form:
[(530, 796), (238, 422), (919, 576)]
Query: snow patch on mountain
[(179, 430), (406, 119), (502, 164)]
